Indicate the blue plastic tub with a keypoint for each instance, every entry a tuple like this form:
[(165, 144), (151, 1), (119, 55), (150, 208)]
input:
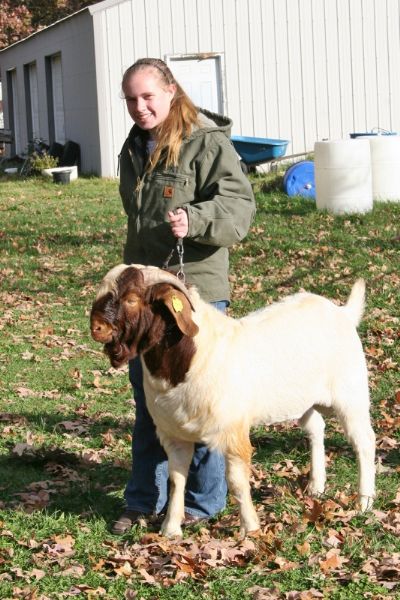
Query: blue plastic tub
[(359, 134), (256, 151), (299, 179)]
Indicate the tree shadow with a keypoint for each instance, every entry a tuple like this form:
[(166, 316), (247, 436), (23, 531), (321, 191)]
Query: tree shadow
[(291, 206), (75, 485), (392, 458)]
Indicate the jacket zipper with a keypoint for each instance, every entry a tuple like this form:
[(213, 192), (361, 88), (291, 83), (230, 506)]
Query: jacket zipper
[(139, 184), (138, 192)]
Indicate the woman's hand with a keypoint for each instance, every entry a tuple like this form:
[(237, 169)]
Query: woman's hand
[(179, 222)]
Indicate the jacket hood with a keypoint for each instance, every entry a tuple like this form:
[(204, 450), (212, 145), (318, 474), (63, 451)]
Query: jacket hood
[(211, 121)]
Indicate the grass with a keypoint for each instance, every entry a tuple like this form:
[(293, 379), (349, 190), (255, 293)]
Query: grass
[(66, 416)]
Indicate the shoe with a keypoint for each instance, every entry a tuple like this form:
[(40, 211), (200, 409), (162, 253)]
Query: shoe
[(190, 520), (127, 520)]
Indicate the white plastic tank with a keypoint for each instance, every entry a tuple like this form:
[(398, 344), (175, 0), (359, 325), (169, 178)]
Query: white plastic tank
[(343, 179), (385, 166)]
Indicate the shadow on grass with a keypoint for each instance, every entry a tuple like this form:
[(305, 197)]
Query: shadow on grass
[(278, 441), (89, 491), (392, 458), (55, 423), (295, 206), (76, 485), (82, 489), (59, 240)]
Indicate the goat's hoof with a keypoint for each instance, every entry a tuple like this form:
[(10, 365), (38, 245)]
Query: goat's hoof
[(244, 533), (254, 533), (315, 491), (365, 503), (170, 530), (251, 529)]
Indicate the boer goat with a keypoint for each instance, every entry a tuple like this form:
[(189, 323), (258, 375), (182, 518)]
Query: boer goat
[(208, 377)]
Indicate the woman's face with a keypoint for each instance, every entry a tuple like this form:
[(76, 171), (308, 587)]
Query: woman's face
[(147, 100)]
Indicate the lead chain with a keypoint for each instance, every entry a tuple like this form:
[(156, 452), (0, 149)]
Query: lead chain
[(179, 248)]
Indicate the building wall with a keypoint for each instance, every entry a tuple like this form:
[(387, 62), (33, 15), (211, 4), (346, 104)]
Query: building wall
[(302, 70), (73, 38), (1, 107)]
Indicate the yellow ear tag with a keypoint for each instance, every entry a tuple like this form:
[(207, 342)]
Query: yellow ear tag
[(177, 304)]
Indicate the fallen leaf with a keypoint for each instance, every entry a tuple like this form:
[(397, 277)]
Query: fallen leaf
[(333, 561)]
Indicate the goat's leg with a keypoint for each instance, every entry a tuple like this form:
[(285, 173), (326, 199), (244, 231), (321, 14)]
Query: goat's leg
[(237, 460), (180, 455), (359, 432), (314, 426)]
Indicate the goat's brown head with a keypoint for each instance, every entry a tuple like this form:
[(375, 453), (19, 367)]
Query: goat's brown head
[(136, 307)]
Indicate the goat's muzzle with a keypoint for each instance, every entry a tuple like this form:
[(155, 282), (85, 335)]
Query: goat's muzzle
[(101, 330)]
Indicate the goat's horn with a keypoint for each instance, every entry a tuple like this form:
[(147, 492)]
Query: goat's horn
[(153, 275)]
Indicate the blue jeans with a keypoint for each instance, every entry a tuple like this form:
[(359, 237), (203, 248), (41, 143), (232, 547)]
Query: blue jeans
[(147, 488)]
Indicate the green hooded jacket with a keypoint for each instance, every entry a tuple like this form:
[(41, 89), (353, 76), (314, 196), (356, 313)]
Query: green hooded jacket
[(209, 184)]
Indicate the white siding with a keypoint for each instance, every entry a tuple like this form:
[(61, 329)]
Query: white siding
[(268, 90), (382, 62), (178, 30), (307, 66), (394, 61), (319, 65), (357, 73), (302, 70), (369, 62)]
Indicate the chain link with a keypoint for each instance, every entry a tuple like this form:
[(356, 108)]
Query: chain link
[(179, 250)]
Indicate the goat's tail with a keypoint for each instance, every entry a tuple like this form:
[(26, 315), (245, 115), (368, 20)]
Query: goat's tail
[(355, 304)]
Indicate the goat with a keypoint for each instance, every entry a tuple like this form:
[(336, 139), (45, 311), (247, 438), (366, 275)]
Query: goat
[(209, 377)]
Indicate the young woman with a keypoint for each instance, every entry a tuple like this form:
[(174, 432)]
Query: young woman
[(179, 178)]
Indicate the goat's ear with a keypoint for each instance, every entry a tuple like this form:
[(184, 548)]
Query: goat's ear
[(179, 307)]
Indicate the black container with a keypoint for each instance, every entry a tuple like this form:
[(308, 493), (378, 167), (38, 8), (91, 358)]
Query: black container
[(62, 176)]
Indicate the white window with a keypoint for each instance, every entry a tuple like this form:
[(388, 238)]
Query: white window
[(201, 78)]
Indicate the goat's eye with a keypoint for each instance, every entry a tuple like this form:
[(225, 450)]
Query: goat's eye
[(131, 300)]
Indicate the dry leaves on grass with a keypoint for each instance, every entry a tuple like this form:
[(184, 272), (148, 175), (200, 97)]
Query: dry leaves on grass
[(261, 593), (384, 569), (158, 561)]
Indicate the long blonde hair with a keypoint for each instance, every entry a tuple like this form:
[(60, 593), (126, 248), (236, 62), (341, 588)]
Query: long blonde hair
[(182, 115)]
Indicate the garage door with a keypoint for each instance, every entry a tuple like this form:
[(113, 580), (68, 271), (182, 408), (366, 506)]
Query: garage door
[(34, 101), (58, 99), (14, 113)]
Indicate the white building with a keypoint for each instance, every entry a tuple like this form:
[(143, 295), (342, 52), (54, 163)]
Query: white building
[(302, 70)]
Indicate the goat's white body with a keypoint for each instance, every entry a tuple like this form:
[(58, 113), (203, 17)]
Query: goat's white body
[(292, 360), (270, 366)]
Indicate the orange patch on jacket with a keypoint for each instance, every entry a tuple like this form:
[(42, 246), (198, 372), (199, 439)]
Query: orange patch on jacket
[(168, 191)]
